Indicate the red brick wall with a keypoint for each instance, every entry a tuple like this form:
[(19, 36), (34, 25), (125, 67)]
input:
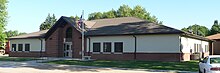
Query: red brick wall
[(216, 47), (25, 54), (54, 47), (139, 56), (77, 43)]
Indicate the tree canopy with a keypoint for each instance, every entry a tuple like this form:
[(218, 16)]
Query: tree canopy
[(3, 19), (48, 23), (75, 17), (125, 11), (12, 33), (215, 28), (202, 30), (197, 29)]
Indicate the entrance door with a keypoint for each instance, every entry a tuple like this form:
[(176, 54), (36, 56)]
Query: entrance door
[(67, 50)]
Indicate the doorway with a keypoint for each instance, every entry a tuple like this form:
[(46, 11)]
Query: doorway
[(67, 51)]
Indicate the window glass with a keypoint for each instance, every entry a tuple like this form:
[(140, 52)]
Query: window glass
[(20, 47), (96, 47), (118, 46), (195, 48), (13, 47), (107, 47), (215, 60), (69, 32), (27, 47)]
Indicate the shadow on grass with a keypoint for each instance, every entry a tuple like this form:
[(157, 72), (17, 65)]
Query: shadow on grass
[(182, 66)]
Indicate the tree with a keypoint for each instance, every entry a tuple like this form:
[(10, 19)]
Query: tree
[(95, 15), (11, 33), (110, 14), (76, 17), (125, 11), (48, 23), (3, 19), (215, 28), (197, 29)]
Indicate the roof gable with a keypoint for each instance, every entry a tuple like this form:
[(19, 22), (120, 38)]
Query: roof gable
[(60, 23)]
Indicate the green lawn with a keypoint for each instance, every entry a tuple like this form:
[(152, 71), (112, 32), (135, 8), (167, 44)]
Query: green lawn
[(17, 59), (183, 66)]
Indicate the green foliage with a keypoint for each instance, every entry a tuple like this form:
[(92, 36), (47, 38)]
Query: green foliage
[(215, 28), (76, 17), (11, 33), (48, 23), (96, 15), (197, 29), (16, 59), (125, 11), (3, 19), (110, 14)]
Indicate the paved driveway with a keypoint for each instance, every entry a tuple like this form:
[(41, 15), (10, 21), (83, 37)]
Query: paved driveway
[(33, 67)]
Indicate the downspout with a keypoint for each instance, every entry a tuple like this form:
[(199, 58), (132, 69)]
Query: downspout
[(41, 46), (180, 49), (135, 47), (89, 47)]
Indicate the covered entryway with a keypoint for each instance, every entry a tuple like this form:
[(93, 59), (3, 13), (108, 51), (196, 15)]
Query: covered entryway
[(67, 50)]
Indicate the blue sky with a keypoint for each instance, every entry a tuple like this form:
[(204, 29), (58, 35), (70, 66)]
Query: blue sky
[(27, 15)]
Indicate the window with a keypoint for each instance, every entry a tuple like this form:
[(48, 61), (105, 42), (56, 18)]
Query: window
[(20, 47), (27, 47), (200, 47), (206, 48), (96, 47), (195, 48), (69, 32), (13, 47), (107, 47), (215, 60), (118, 46)]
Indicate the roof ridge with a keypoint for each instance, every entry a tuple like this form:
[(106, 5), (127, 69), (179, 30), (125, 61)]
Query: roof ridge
[(114, 18)]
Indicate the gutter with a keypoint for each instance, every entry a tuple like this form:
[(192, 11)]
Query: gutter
[(135, 45)]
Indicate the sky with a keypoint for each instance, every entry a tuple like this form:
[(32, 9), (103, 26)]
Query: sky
[(27, 15)]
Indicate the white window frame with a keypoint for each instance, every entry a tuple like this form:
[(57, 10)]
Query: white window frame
[(93, 45), (29, 47)]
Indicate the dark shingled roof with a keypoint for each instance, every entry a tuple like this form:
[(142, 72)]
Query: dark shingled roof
[(128, 26), (112, 26), (39, 34), (132, 26)]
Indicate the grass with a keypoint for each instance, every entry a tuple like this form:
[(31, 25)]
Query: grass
[(16, 59), (183, 66)]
